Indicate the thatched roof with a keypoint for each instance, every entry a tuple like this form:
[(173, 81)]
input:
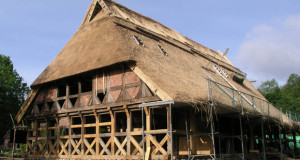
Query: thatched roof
[(106, 37)]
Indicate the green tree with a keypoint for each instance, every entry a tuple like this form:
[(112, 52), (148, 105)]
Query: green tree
[(287, 96), (13, 92)]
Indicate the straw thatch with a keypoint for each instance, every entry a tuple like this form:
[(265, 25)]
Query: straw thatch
[(106, 38)]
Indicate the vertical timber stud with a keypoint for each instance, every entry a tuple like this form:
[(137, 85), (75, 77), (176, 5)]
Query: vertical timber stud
[(187, 136), (157, 103), (69, 132), (47, 136), (58, 133), (263, 139), (97, 131), (27, 136), (113, 125), (82, 133), (192, 131), (128, 115), (148, 128), (171, 130), (143, 133), (36, 136)]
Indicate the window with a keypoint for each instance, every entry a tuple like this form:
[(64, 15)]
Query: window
[(162, 50), (97, 9), (61, 90), (138, 40), (86, 85)]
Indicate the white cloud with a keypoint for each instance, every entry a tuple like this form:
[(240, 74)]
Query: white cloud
[(271, 51)]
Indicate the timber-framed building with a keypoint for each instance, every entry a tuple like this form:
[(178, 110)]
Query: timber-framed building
[(127, 87)]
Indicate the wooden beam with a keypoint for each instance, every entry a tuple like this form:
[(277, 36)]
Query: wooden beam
[(26, 105), (113, 125), (82, 133), (58, 133), (36, 135), (47, 136), (192, 131), (69, 132), (111, 105), (154, 87), (128, 130), (168, 127), (97, 132), (148, 126)]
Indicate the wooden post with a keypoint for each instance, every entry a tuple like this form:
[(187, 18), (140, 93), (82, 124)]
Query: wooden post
[(57, 134), (82, 133), (36, 135), (113, 125), (69, 138), (148, 125), (97, 131), (168, 127), (27, 136), (128, 130), (47, 136), (192, 131), (148, 128)]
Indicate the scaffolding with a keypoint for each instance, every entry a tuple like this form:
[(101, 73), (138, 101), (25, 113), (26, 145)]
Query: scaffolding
[(241, 113)]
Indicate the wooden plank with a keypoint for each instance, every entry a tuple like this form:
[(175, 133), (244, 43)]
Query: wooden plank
[(82, 132), (69, 132), (128, 147), (168, 128), (161, 143), (137, 146), (105, 124), (192, 131), (154, 87), (104, 146), (76, 146), (148, 125), (36, 135), (26, 104), (89, 147), (112, 105), (120, 146), (47, 135), (147, 154), (97, 132), (157, 145), (113, 125)]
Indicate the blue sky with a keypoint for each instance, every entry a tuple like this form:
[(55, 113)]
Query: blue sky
[(263, 36)]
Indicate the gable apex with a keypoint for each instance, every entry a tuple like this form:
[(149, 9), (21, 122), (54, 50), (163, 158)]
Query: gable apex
[(96, 8)]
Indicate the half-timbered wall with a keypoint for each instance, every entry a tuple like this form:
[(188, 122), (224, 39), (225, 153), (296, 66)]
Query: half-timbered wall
[(96, 116)]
